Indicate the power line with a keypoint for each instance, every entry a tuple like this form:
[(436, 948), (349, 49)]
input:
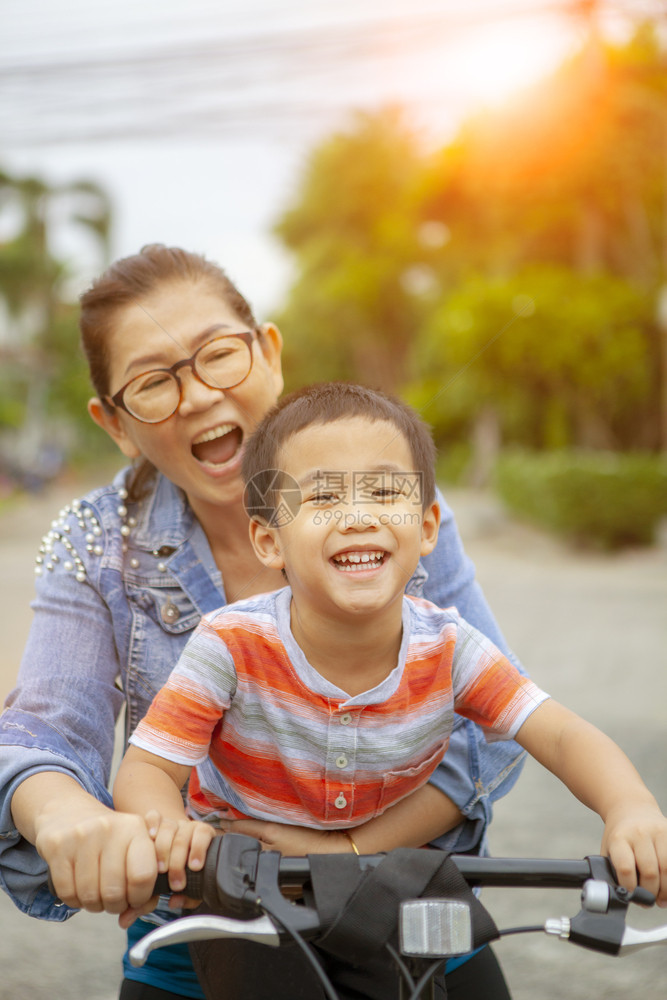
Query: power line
[(330, 40), (218, 85)]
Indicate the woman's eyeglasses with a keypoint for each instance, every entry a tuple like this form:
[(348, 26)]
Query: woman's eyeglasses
[(154, 396)]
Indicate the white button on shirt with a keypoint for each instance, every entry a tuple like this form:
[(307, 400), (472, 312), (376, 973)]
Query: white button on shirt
[(346, 719), (340, 802)]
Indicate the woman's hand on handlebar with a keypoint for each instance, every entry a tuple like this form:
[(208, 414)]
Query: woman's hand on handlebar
[(291, 841), (98, 859), (411, 822)]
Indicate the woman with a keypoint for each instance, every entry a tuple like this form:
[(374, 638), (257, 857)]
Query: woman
[(182, 374)]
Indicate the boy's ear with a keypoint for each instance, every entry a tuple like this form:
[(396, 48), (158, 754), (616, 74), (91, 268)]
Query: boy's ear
[(110, 422), (266, 543), (430, 528)]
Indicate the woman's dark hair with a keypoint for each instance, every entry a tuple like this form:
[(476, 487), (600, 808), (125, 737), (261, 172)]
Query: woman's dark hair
[(129, 280), (322, 404)]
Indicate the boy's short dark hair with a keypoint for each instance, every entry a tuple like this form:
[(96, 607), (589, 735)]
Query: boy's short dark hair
[(324, 403)]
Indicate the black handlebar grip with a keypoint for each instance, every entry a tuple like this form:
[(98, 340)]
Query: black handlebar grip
[(194, 885)]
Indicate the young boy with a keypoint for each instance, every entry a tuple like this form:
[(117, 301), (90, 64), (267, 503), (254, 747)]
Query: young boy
[(326, 702)]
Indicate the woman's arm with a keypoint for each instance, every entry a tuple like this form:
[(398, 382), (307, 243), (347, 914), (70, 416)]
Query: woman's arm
[(601, 776), (412, 822), (57, 733), (451, 582), (474, 773), (150, 786)]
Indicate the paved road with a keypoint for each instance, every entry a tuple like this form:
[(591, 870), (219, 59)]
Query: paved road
[(79, 959), (593, 631)]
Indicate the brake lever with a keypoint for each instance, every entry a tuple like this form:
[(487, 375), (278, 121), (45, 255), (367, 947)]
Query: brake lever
[(635, 940), (201, 927), (600, 924)]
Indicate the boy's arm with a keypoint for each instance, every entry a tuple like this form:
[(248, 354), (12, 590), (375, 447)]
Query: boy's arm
[(414, 821), (151, 786), (145, 782), (597, 771)]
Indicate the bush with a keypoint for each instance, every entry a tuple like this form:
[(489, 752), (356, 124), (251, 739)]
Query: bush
[(453, 463), (599, 499)]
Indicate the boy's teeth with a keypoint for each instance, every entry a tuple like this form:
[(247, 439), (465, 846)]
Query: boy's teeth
[(349, 560), (214, 433)]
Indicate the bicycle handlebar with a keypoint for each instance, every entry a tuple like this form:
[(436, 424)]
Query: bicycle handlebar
[(544, 873), (243, 883)]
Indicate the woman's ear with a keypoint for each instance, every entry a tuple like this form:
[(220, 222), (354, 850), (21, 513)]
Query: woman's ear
[(271, 345), (266, 543), (110, 422), (430, 528)]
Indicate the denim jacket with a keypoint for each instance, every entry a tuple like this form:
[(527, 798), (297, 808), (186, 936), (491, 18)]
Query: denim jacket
[(119, 590)]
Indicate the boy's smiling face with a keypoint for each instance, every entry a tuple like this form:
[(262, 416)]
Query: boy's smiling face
[(360, 527)]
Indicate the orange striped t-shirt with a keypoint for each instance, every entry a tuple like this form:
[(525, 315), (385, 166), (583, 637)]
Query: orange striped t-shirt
[(271, 738)]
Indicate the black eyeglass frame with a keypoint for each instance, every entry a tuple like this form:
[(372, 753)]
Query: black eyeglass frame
[(117, 400)]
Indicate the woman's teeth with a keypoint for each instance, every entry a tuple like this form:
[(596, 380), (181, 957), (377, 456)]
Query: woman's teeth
[(218, 445), (353, 561), (214, 433)]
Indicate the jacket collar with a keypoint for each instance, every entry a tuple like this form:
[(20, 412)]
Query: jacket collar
[(417, 581), (164, 518)]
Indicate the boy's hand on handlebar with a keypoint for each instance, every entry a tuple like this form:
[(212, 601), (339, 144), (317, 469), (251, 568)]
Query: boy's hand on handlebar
[(176, 843), (635, 839), (179, 843), (291, 841)]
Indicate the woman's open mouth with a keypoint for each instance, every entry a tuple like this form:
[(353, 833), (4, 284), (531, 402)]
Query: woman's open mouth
[(363, 559), (218, 445)]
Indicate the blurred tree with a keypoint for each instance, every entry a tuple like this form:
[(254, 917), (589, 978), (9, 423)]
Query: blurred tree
[(417, 271), (578, 179), (40, 343), (572, 174), (557, 357), (353, 310)]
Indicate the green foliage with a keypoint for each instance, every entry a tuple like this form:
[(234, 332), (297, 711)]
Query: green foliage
[(453, 463), (12, 407), (536, 300), (351, 313), (560, 356), (572, 174), (598, 499), (44, 382), (69, 387)]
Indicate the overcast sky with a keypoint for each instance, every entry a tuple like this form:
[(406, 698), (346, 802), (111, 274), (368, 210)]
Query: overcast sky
[(198, 116)]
